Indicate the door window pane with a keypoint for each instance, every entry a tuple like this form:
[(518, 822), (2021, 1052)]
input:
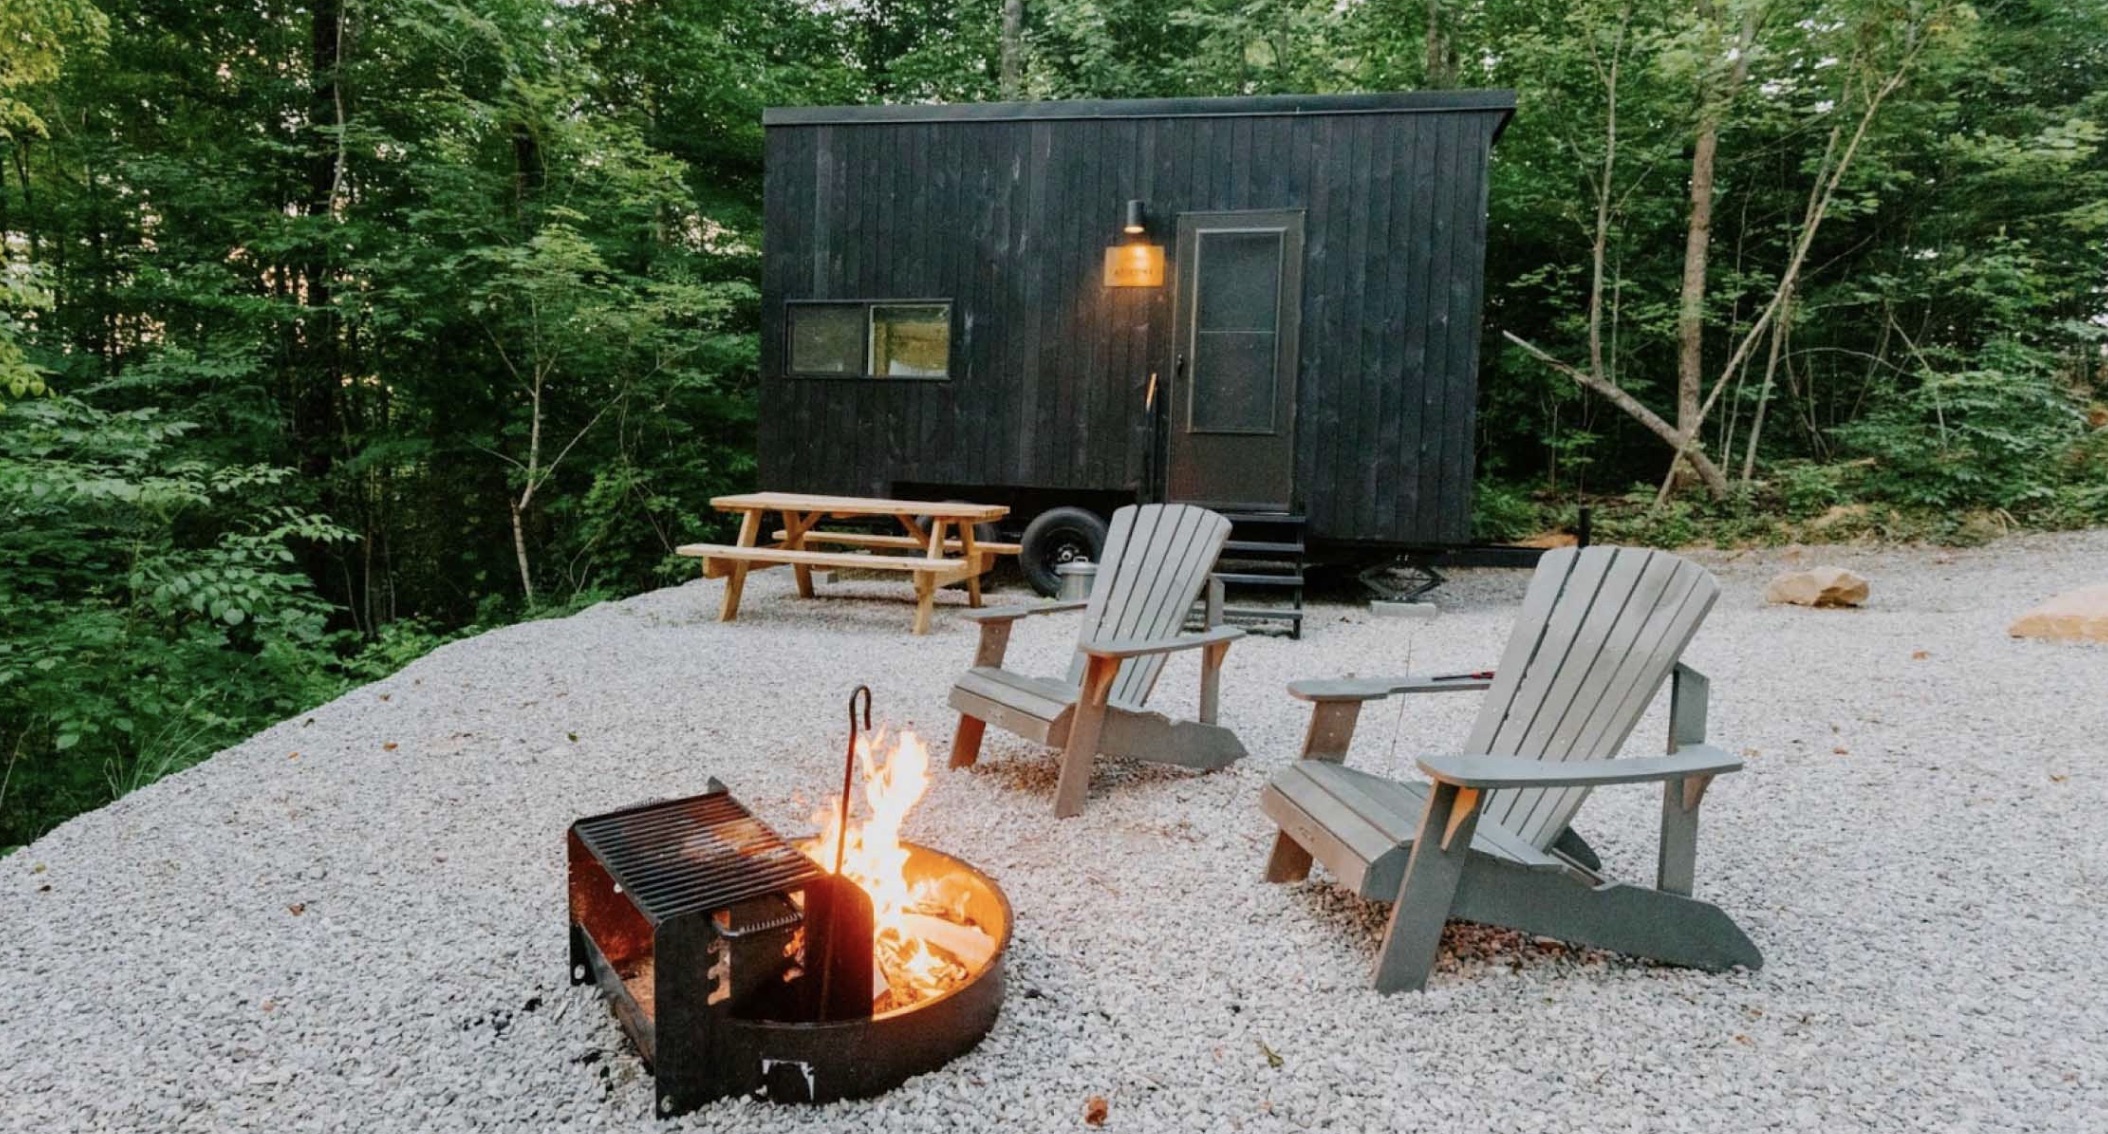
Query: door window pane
[(1240, 281), (911, 341), (827, 338), (1236, 329), (1233, 382)]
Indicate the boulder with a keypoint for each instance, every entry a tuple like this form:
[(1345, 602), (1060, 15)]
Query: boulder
[(2074, 616), (1818, 586)]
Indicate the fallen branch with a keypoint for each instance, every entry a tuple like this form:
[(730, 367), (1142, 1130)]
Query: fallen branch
[(1715, 480)]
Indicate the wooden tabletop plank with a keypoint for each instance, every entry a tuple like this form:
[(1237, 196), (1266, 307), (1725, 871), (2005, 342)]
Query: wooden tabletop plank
[(858, 506)]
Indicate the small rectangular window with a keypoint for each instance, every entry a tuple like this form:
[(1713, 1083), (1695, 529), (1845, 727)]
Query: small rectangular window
[(911, 341), (827, 338), (876, 339)]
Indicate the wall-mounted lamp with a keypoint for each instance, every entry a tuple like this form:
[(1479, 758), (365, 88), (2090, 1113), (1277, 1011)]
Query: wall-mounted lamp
[(1136, 262)]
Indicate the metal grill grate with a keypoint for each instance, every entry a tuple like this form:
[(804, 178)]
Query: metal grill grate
[(702, 853)]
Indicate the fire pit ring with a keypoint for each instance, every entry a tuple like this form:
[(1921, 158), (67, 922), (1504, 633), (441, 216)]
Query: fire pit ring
[(739, 966), (796, 1061)]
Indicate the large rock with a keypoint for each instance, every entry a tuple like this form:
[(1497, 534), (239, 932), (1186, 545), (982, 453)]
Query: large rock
[(1818, 586), (2074, 616)]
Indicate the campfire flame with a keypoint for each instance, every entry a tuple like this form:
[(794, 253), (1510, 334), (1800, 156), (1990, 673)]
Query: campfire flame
[(895, 771)]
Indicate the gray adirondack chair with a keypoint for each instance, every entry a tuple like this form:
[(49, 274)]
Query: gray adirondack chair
[(1155, 561), (1488, 840)]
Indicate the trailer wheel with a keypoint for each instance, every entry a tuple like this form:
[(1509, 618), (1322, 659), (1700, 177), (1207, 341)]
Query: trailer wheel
[(1054, 537)]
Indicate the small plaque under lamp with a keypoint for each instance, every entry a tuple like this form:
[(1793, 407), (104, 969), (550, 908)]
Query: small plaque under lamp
[(1134, 265)]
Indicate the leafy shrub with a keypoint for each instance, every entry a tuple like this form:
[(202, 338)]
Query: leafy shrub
[(151, 608), (1503, 512), (1993, 434)]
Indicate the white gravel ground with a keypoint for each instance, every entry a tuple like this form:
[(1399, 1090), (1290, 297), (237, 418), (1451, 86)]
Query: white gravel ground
[(355, 921)]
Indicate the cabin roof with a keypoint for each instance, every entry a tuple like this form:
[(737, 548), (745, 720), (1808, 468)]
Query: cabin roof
[(1396, 102)]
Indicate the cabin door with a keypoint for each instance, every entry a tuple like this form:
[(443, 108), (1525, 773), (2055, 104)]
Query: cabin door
[(1233, 389)]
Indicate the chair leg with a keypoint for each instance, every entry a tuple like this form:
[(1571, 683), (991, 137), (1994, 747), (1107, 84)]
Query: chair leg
[(1331, 730), (1289, 862), (1413, 939), (1082, 748), (1211, 681), (966, 742)]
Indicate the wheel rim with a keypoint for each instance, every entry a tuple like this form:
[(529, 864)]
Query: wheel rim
[(1068, 547)]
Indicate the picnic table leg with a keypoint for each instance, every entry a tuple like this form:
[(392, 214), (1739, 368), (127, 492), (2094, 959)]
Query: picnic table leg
[(926, 582), (925, 596), (749, 531), (973, 564), (795, 525)]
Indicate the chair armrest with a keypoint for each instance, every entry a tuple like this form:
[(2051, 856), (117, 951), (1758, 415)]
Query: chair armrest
[(1488, 773), (1122, 648), (1013, 613), (1377, 688)]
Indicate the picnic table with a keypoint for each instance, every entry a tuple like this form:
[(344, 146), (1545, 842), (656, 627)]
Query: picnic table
[(943, 559)]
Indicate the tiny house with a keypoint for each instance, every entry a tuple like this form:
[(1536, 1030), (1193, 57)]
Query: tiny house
[(1268, 305)]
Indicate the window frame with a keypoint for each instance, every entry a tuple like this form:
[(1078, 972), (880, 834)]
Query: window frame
[(869, 307)]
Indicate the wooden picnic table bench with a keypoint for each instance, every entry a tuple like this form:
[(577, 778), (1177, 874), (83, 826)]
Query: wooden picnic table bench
[(924, 523)]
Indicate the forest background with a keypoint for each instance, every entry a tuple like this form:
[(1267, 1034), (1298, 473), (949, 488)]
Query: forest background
[(331, 330)]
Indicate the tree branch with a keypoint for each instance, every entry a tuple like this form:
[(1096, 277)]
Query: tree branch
[(1707, 471)]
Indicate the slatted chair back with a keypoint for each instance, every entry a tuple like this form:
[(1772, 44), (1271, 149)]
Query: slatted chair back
[(1600, 630), (1156, 560)]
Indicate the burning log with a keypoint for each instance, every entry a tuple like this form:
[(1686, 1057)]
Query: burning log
[(967, 944)]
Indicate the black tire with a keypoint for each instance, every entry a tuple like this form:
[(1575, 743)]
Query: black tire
[(1054, 537)]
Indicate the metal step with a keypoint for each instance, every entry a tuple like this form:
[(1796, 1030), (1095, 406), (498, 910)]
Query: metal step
[(1278, 613), (1251, 579), (1264, 547), (1267, 560)]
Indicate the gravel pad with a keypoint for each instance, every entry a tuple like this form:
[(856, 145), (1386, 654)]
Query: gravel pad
[(355, 920)]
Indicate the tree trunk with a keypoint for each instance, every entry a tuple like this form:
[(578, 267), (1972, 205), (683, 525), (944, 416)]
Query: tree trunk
[(29, 202), (519, 551), (1779, 328), (1440, 72), (1013, 50), (1698, 234), (315, 403)]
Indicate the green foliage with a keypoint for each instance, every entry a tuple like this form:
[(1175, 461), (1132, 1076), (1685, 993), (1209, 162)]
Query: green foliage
[(36, 36), (1504, 513), (1993, 435), (21, 292), (151, 612)]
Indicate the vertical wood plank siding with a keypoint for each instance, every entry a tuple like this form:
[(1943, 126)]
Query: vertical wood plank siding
[(1008, 217)]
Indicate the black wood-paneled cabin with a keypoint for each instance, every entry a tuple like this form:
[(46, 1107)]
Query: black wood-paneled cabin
[(940, 313)]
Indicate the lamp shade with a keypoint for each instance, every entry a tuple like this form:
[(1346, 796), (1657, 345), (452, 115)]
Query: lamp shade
[(1135, 218)]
